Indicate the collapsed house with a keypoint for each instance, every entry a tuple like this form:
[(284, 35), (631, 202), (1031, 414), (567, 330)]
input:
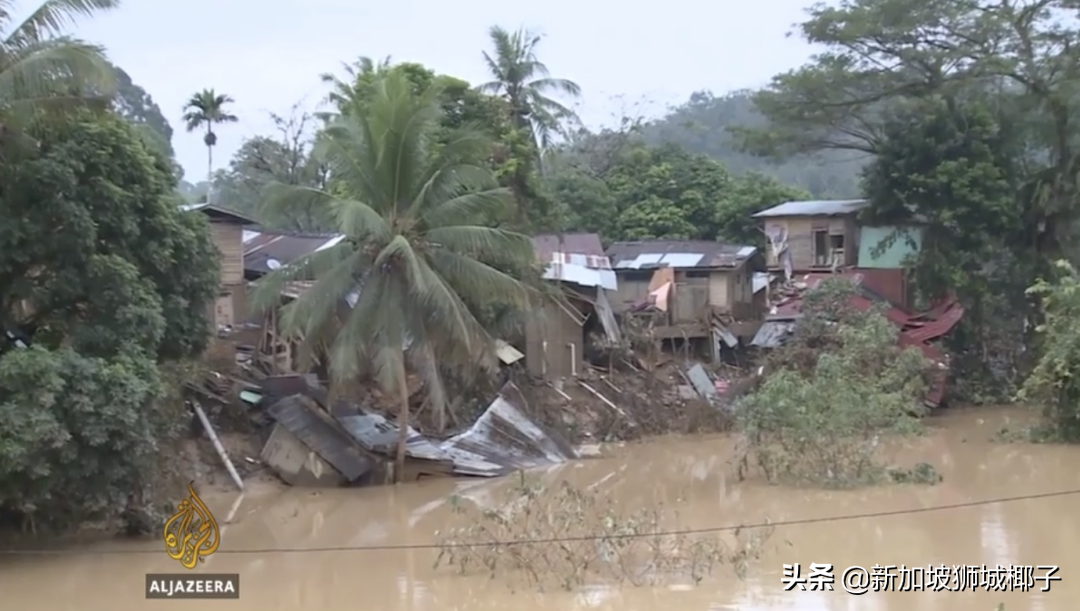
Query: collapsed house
[(699, 291), (815, 240), (318, 441), (581, 281)]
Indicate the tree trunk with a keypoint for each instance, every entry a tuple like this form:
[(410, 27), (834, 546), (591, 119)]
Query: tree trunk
[(403, 420), (209, 162)]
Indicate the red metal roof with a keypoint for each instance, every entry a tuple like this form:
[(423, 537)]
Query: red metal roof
[(917, 330)]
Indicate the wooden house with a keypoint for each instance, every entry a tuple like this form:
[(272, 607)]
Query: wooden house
[(582, 279), (226, 230), (702, 288), (812, 235), (823, 236)]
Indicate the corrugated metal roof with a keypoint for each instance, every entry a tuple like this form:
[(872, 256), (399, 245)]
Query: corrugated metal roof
[(772, 334), (821, 207), (320, 437), (677, 254), (577, 258), (761, 280), (263, 248), (576, 243), (217, 211), (504, 440), (377, 434)]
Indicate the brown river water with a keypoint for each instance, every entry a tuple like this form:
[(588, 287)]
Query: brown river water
[(694, 473)]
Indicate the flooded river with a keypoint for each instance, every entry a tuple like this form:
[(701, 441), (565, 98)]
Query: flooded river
[(692, 473)]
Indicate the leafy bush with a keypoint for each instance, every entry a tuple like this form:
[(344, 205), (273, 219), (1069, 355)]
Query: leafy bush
[(831, 394), (77, 438), (569, 537), (1053, 385), (109, 283)]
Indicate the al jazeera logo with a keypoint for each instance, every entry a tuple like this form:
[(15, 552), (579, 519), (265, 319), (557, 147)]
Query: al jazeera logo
[(191, 535)]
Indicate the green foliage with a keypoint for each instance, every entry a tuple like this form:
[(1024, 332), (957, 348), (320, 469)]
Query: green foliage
[(76, 435), (626, 190), (93, 229), (708, 125), (936, 150), (43, 70), (206, 108), (283, 159), (1053, 385), (834, 392), (526, 85), (595, 539), (136, 106), (106, 277), (666, 193), (750, 193), (971, 126), (416, 246)]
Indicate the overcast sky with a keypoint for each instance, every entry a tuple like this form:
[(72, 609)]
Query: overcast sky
[(267, 54)]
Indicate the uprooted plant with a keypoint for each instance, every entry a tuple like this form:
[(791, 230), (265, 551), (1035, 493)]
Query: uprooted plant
[(568, 538), (832, 394)]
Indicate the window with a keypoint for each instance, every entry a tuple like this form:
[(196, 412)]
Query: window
[(697, 274), (637, 276), (828, 248)]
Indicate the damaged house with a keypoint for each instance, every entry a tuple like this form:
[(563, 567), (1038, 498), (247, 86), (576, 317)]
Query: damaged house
[(697, 290), (827, 235), (264, 252), (815, 240), (226, 231), (582, 280)]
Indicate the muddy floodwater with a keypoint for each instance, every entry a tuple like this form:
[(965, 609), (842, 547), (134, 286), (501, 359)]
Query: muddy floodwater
[(692, 474)]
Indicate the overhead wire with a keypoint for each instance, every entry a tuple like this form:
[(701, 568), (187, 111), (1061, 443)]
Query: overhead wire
[(552, 540)]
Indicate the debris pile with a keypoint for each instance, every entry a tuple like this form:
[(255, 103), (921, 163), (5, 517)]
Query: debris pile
[(917, 330)]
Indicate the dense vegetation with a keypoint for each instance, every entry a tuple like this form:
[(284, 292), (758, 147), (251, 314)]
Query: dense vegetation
[(956, 115)]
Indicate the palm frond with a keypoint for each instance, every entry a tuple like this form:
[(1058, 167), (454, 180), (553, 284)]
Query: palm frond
[(560, 85), (52, 18), (58, 67), (467, 207), (471, 277), (268, 289), (483, 243)]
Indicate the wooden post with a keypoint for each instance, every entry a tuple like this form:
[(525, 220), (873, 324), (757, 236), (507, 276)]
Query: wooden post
[(217, 444)]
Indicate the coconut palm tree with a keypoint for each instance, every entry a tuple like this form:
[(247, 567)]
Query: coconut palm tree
[(42, 69), (207, 108), (525, 83), (415, 253)]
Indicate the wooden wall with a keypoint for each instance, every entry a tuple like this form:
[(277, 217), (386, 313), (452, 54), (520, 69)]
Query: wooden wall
[(633, 287), (554, 359), (228, 237), (800, 231), (726, 290)]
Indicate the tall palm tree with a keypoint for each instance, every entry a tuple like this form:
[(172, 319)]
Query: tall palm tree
[(207, 108), (415, 253), (525, 83), (43, 69)]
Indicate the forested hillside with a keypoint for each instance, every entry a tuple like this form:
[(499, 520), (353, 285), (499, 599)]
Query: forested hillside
[(703, 125)]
